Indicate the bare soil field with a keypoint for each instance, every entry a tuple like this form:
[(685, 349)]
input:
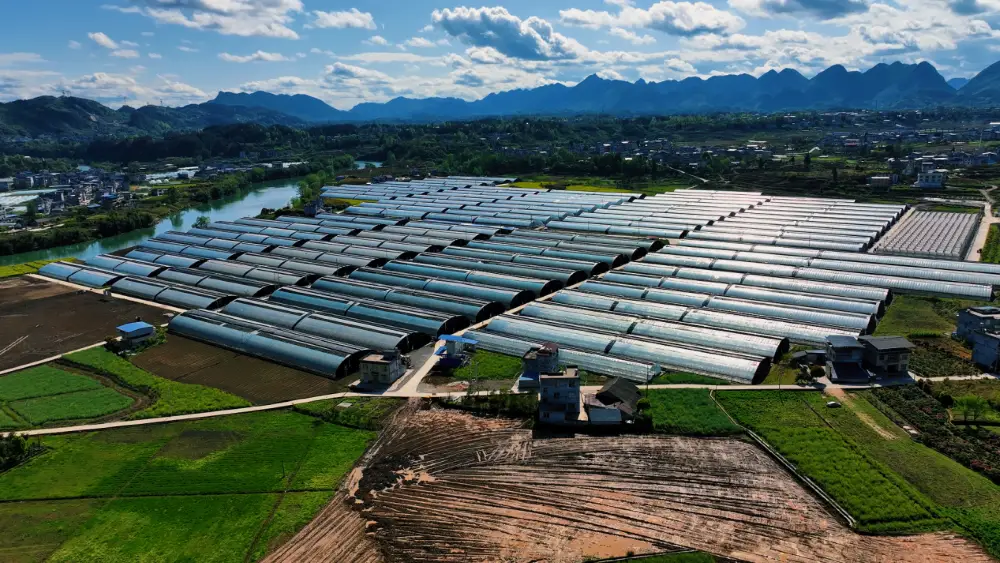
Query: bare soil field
[(258, 381), (447, 486), (42, 319)]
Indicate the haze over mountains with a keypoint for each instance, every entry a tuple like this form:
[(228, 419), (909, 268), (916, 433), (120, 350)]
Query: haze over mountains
[(885, 86)]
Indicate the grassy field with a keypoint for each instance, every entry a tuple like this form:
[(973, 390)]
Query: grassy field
[(80, 405), (941, 357), (45, 394), (42, 381), (791, 422), (356, 412), (170, 397), (688, 412), (910, 315), (7, 422), (991, 250), (683, 378), (225, 489), (971, 500), (26, 268), (489, 366)]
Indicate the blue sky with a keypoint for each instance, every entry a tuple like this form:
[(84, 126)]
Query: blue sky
[(351, 51)]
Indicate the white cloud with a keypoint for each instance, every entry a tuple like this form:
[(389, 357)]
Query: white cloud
[(8, 59), (246, 18), (376, 40), (352, 18), (316, 51), (632, 37), (418, 43), (427, 28), (102, 39), (109, 88), (530, 39), (74, 44), (128, 43), (155, 56), (187, 49), (147, 34), (674, 18), (610, 74), (125, 53), (262, 56)]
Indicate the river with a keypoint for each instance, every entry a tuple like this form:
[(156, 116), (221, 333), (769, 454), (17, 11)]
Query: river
[(271, 195)]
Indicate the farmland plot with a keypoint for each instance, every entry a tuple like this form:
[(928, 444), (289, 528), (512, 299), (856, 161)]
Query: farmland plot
[(452, 487)]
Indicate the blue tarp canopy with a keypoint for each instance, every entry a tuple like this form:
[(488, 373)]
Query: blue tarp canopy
[(135, 327), (459, 339)]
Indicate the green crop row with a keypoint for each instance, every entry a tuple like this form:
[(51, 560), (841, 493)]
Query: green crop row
[(688, 411), (791, 422), (71, 406), (42, 381)]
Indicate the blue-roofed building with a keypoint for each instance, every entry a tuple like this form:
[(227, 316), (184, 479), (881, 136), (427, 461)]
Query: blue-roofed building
[(133, 334)]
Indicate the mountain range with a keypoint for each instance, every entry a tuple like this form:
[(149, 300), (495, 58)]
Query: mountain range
[(69, 116), (884, 86), (888, 86)]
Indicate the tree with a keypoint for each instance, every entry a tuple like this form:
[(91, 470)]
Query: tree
[(31, 215), (807, 160), (202, 222), (971, 406)]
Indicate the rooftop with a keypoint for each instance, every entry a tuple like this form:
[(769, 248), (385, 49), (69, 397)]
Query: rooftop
[(884, 343), (132, 327), (844, 341)]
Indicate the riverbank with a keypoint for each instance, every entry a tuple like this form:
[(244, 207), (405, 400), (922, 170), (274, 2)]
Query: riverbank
[(84, 226), (250, 202)]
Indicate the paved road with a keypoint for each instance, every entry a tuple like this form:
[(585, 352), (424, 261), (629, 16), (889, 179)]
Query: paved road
[(405, 394), (979, 242)]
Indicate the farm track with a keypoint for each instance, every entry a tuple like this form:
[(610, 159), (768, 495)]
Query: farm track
[(445, 486)]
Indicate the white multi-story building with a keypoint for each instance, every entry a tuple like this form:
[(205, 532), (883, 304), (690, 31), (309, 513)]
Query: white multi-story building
[(931, 179)]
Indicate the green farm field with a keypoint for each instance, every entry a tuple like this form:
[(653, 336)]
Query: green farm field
[(877, 498), (80, 405), (884, 461), (220, 490), (689, 412), (169, 397), (490, 366), (47, 394)]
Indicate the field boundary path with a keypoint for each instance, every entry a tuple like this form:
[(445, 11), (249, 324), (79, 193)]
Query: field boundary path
[(408, 395), (979, 242)]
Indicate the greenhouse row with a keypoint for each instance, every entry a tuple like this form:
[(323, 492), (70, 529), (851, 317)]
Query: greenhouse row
[(931, 235), (914, 279)]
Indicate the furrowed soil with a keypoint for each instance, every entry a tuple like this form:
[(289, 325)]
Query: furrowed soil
[(446, 486), (258, 381), (39, 319)]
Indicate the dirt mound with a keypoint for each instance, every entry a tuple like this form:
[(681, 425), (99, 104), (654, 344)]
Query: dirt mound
[(447, 486)]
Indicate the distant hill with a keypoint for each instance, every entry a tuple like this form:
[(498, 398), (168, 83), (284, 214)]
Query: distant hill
[(983, 89), (306, 108), (885, 86), (957, 83), (70, 117)]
